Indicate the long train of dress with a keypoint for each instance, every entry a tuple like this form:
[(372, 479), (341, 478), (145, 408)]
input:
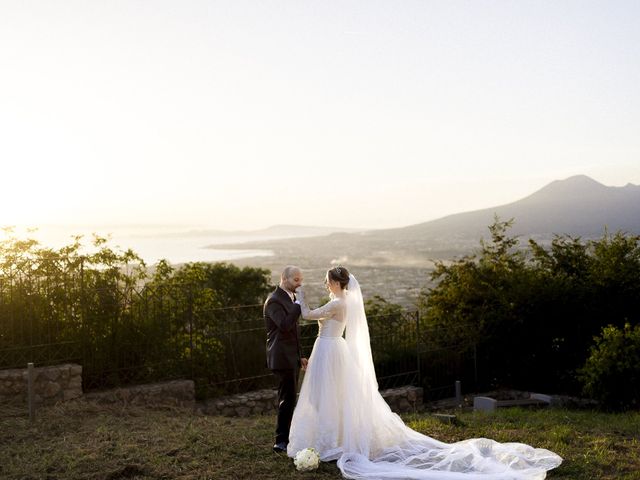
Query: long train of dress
[(342, 415)]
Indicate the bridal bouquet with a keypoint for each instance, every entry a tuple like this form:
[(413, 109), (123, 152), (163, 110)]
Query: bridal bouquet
[(306, 460)]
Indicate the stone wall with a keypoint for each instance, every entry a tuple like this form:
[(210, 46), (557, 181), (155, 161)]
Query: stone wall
[(176, 393), (257, 402), (404, 399), (51, 384), (401, 400), (64, 382)]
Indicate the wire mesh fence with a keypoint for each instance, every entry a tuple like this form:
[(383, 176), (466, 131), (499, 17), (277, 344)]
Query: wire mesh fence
[(125, 336)]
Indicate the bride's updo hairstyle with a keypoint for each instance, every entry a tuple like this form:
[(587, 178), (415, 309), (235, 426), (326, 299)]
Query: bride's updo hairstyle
[(339, 274)]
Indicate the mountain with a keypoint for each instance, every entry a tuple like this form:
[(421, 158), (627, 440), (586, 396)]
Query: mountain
[(577, 206), (397, 263)]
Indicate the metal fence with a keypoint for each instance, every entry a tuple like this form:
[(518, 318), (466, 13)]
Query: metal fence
[(155, 334), (443, 363)]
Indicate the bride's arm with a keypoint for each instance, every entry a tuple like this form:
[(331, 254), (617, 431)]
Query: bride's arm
[(326, 311)]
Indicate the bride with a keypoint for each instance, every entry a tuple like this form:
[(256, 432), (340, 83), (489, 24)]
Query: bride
[(341, 414)]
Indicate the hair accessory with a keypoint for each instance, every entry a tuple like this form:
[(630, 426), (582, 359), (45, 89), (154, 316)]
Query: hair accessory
[(338, 271)]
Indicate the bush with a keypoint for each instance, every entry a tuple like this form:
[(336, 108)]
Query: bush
[(101, 307), (532, 311), (611, 374)]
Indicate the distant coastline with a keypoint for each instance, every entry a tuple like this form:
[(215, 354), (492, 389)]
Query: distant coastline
[(153, 245)]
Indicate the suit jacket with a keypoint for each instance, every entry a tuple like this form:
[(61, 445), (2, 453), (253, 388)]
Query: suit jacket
[(283, 332)]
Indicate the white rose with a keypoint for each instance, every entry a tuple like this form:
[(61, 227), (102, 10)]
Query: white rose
[(306, 460)]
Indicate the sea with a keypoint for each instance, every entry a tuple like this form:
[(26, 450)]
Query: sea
[(151, 243)]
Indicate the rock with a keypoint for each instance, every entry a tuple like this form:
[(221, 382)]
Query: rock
[(541, 396), (268, 395), (71, 394), (243, 411), (444, 418), (75, 382), (485, 404), (51, 389), (52, 374)]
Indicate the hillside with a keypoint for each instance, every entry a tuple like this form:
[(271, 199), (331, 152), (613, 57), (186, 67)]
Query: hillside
[(396, 262)]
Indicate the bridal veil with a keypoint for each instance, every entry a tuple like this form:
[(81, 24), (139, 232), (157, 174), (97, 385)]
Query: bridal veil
[(377, 444)]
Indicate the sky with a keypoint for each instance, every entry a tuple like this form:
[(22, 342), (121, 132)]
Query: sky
[(370, 114)]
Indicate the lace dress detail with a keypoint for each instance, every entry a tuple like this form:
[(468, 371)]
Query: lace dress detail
[(317, 419), (330, 318)]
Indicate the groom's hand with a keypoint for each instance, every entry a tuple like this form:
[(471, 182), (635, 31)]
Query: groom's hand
[(304, 362)]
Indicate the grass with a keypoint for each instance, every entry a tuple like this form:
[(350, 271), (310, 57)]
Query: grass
[(85, 441)]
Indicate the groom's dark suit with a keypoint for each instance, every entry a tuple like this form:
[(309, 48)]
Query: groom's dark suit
[(283, 354)]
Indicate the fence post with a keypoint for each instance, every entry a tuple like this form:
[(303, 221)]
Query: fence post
[(418, 346), (30, 392), (191, 359), (475, 366), (85, 349), (458, 392)]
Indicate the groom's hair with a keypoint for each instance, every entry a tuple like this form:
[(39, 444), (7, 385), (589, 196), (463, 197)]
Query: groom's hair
[(288, 271)]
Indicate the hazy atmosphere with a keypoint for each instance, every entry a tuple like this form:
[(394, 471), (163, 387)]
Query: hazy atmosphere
[(368, 114), (457, 181)]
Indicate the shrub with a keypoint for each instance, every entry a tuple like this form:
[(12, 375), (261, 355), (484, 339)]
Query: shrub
[(532, 311), (611, 373)]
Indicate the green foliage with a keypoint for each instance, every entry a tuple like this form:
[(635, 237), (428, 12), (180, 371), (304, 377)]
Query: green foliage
[(377, 306), (393, 333), (611, 374), (479, 299), (532, 312), (101, 307), (71, 296), (232, 285), (209, 306)]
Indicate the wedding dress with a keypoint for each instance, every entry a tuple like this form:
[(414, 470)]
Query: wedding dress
[(342, 415)]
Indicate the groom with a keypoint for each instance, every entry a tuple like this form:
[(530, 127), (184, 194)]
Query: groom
[(284, 355)]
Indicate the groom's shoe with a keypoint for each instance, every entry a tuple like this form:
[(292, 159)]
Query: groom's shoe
[(280, 447)]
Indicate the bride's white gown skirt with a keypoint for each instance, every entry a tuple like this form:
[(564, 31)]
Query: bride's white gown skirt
[(343, 416)]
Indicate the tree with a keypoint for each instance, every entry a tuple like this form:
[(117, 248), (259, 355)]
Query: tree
[(532, 313), (100, 306)]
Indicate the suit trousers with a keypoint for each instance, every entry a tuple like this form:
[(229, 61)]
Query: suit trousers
[(287, 394)]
